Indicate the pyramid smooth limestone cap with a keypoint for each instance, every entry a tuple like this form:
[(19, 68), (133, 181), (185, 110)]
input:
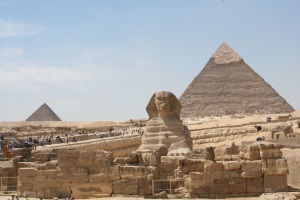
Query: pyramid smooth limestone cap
[(225, 55)]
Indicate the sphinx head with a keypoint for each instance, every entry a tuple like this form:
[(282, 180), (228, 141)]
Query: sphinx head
[(163, 104)]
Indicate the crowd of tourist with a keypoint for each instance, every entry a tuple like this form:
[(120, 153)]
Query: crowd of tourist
[(56, 138)]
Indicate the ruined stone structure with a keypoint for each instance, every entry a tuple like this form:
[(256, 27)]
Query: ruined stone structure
[(90, 174), (43, 113), (227, 86), (164, 132)]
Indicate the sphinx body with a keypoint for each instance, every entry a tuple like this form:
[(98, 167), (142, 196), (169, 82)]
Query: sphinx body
[(164, 132)]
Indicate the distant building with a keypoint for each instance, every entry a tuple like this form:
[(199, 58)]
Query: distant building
[(43, 113), (228, 86)]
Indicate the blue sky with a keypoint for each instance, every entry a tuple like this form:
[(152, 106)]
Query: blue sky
[(103, 59)]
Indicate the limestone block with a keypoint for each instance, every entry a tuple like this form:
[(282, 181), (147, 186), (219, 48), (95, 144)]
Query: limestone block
[(275, 183), (231, 174), (196, 175), (41, 185), (132, 158), (193, 184), (43, 175), (67, 157), (24, 187), (167, 166), (255, 185), (231, 165), (103, 158), (63, 189), (86, 158), (125, 186), (120, 161), (173, 159), (133, 172), (206, 153), (226, 150), (252, 169), (213, 166), (42, 157), (99, 174), (73, 174), (219, 187), (275, 166), (270, 150), (148, 158), (145, 187), (236, 186), (191, 164), (219, 152), (154, 171), (51, 165), (92, 190), (215, 175), (17, 159), (250, 152), (76, 171), (27, 175), (47, 193)]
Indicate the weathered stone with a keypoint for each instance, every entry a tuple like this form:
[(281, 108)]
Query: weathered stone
[(148, 158), (236, 186), (133, 172), (275, 183), (99, 174), (86, 158), (213, 166), (231, 174), (252, 169), (164, 132), (51, 165), (27, 175), (73, 174), (191, 164), (250, 152), (204, 153), (103, 158), (92, 190), (132, 158), (275, 166), (216, 90), (231, 165), (270, 150), (255, 185), (120, 161), (145, 187), (125, 186), (154, 171), (67, 157)]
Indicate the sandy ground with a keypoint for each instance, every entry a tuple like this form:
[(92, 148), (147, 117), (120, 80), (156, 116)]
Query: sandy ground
[(128, 198)]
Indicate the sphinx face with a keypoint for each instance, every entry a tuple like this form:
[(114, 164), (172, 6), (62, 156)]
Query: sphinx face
[(163, 101)]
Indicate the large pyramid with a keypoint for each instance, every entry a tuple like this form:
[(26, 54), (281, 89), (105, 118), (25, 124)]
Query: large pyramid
[(228, 86), (43, 113)]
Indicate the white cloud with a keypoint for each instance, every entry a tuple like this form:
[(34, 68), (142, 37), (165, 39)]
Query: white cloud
[(43, 74), (11, 52), (16, 29)]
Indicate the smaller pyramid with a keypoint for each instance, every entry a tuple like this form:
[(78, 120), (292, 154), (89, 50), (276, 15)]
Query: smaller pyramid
[(43, 113)]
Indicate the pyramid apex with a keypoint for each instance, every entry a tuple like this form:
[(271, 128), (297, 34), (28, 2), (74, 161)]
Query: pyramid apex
[(225, 54)]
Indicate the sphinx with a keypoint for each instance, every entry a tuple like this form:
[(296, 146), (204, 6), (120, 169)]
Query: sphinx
[(164, 131)]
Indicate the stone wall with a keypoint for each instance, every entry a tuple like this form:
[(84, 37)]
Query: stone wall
[(229, 171), (220, 134)]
